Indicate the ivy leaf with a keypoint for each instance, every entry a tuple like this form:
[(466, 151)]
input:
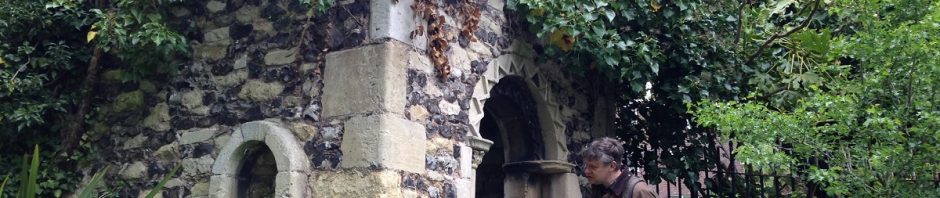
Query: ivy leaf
[(610, 15), (655, 67), (590, 16)]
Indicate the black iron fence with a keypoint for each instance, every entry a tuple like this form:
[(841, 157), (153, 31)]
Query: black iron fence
[(729, 178)]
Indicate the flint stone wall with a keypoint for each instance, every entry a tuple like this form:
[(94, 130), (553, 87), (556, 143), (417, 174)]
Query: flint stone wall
[(352, 87)]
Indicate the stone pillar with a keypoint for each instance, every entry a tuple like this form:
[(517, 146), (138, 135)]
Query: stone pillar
[(480, 146)]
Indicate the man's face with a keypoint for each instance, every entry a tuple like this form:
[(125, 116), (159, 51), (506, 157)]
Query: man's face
[(598, 172)]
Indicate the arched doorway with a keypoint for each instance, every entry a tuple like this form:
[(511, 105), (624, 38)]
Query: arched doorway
[(517, 134), (511, 122), (256, 179)]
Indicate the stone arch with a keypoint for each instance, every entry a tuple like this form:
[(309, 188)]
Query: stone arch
[(292, 162), (551, 124), (553, 166)]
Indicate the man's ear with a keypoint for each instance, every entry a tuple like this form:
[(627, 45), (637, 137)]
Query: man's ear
[(614, 165)]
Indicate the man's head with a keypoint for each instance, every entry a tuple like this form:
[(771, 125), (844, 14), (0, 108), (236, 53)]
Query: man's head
[(602, 160)]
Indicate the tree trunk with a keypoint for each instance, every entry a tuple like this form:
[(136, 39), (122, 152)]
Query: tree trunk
[(72, 133)]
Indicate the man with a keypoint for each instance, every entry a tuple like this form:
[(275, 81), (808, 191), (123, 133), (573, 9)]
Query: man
[(602, 166)]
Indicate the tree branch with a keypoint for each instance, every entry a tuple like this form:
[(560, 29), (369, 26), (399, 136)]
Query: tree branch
[(805, 23), (73, 131)]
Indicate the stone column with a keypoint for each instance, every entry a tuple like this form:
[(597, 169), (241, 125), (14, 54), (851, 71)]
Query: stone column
[(480, 146)]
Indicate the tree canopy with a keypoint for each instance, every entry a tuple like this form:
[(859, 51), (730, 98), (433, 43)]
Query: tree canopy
[(841, 92)]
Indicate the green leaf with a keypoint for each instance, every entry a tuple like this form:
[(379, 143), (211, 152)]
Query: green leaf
[(156, 189), (590, 16), (610, 15), (90, 190)]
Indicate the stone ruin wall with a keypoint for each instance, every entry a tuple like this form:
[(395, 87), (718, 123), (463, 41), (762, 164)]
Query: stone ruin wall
[(257, 61)]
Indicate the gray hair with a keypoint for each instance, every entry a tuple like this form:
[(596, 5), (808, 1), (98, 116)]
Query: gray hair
[(604, 149)]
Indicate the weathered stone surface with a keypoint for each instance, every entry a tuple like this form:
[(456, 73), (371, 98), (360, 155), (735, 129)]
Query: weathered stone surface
[(241, 62), (197, 136), (231, 79), (168, 152), (449, 108), (264, 27), (440, 143), (143, 194), (433, 91), (128, 101), (218, 36), (200, 189), (159, 118), (247, 14), (384, 184), (418, 113), (303, 131), (112, 76), (197, 166), (135, 142), (259, 91), (459, 58), (290, 184), (215, 6), (395, 21), (210, 51), (481, 49), (136, 170), (192, 99), (280, 57), (365, 79), (384, 140), (420, 62)]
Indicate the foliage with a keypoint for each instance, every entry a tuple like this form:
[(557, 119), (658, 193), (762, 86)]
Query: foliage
[(794, 81), (868, 127), (319, 6), (46, 55), (680, 48)]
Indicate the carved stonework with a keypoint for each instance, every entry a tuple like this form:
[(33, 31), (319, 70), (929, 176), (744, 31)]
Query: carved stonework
[(480, 147), (550, 118)]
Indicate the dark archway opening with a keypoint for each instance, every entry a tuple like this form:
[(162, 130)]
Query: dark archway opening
[(511, 122), (259, 170), (490, 176)]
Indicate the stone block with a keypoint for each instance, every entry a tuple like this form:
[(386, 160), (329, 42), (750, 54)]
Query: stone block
[(221, 186), (197, 166), (386, 141), (218, 36), (466, 161), (192, 99), (381, 184), (136, 170), (418, 113), (448, 108), (260, 91), (368, 79), (395, 20), (210, 51), (215, 6), (289, 184), (128, 101), (135, 142), (231, 79), (280, 57), (197, 136), (159, 118), (200, 189), (169, 152)]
